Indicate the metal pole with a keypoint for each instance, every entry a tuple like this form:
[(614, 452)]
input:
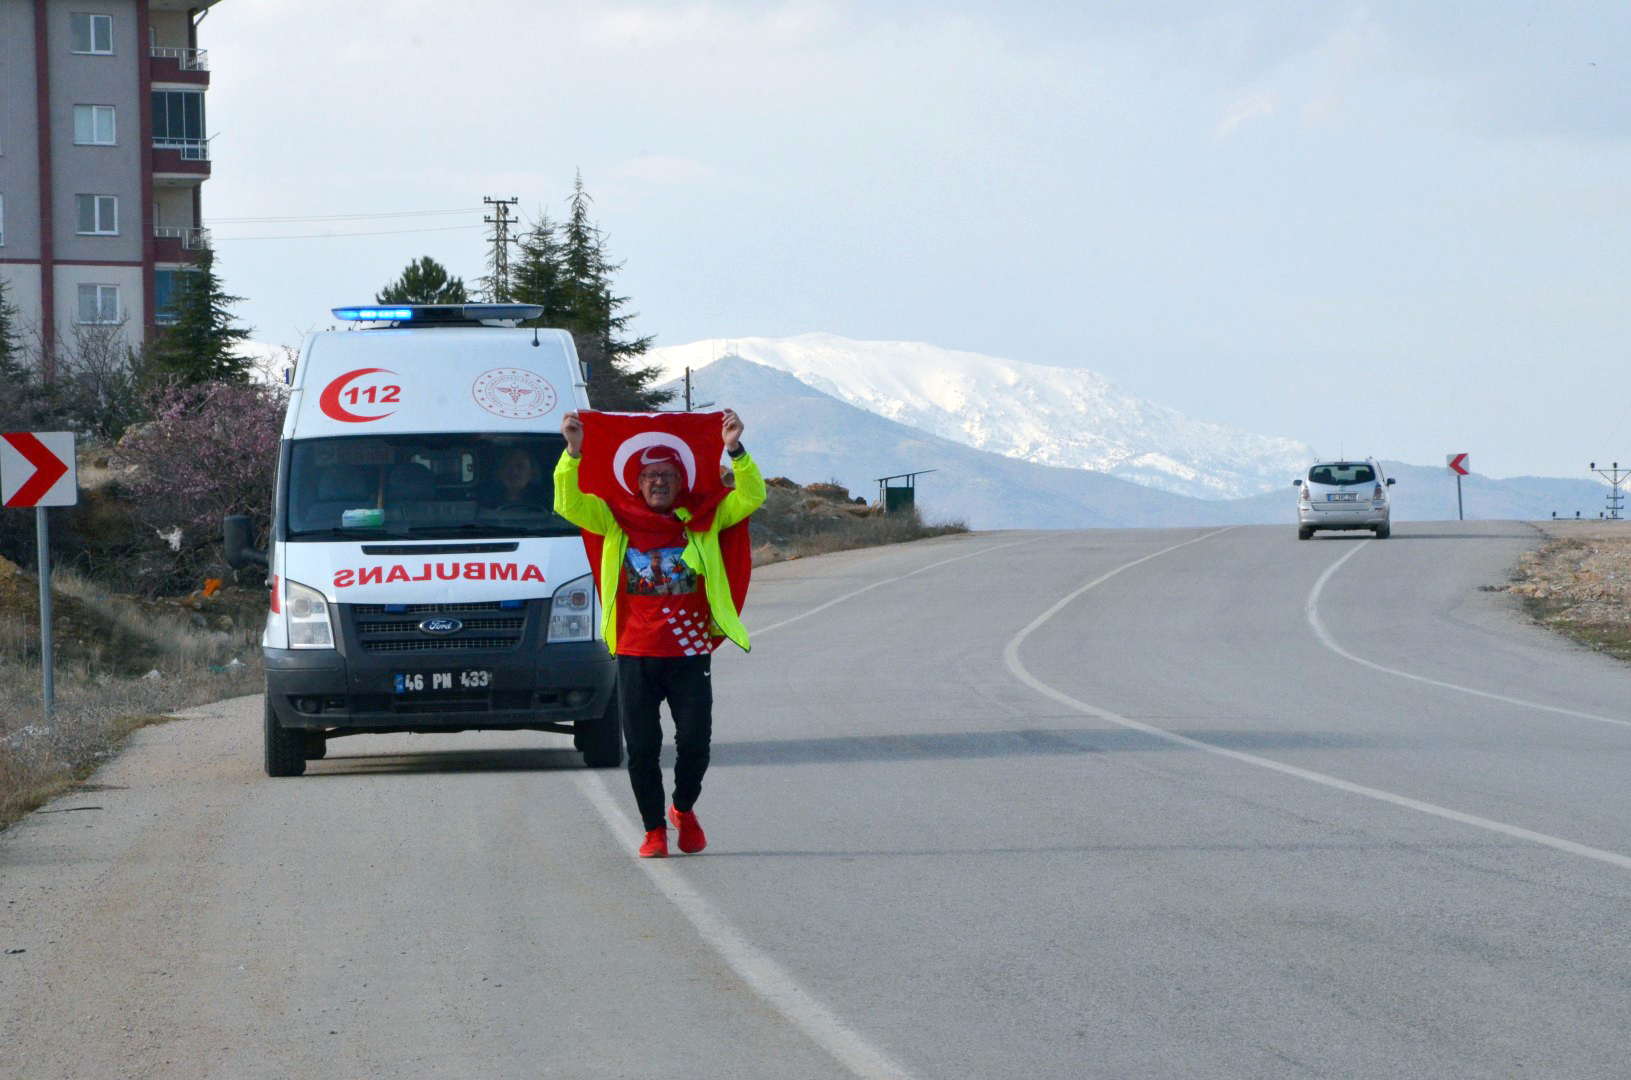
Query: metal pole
[(42, 530), (1459, 516)]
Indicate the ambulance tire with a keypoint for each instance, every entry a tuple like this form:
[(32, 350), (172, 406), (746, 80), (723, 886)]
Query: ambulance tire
[(600, 741), (285, 749)]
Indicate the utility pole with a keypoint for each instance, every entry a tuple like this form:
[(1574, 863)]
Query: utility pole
[(498, 284), (1615, 477), (689, 407)]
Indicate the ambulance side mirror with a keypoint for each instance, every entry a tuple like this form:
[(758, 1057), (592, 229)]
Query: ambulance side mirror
[(235, 538)]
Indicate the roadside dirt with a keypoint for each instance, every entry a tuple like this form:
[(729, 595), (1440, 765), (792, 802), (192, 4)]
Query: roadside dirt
[(1579, 583)]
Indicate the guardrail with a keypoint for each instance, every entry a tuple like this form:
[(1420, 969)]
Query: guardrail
[(190, 149), (189, 59), (192, 239)]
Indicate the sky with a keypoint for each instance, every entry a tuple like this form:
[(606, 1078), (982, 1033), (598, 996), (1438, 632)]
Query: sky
[(1399, 229)]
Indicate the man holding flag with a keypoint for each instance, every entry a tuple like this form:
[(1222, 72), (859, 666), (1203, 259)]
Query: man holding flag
[(668, 542)]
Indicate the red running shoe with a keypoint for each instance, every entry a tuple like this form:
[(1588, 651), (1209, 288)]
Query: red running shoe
[(691, 838), (656, 845)]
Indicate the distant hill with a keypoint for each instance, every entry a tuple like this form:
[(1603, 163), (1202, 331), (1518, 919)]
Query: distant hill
[(1070, 417), (799, 432)]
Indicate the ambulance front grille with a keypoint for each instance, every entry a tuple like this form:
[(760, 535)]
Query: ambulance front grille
[(484, 626)]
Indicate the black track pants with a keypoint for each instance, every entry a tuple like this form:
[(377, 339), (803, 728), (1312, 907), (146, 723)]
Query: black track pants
[(643, 683)]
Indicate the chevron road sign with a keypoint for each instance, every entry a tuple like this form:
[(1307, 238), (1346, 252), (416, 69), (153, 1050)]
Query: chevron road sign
[(37, 469)]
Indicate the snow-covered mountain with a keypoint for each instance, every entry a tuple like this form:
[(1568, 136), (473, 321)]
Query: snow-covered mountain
[(1067, 417)]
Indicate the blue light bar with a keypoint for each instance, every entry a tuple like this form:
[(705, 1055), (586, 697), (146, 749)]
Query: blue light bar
[(373, 314)]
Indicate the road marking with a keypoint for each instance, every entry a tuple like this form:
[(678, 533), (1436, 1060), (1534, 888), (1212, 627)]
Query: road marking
[(891, 581), (1311, 609), (1010, 656), (767, 978)]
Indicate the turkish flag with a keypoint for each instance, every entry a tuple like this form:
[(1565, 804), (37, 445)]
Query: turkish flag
[(616, 446)]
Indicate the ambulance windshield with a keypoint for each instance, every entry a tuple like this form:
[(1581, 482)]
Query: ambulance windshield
[(425, 486)]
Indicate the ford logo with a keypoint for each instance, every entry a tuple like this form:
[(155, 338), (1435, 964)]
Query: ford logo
[(441, 626)]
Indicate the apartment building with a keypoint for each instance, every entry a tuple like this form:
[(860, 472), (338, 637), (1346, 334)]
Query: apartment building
[(103, 156)]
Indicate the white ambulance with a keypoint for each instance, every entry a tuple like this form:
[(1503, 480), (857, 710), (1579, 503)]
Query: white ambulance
[(421, 581)]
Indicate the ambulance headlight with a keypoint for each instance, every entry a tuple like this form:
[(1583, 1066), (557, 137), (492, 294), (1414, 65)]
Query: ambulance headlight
[(572, 611), (307, 613)]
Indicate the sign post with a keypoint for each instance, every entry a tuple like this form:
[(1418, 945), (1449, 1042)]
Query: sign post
[(1459, 465), (37, 470)]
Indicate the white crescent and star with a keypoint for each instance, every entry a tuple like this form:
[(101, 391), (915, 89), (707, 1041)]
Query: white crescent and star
[(645, 441)]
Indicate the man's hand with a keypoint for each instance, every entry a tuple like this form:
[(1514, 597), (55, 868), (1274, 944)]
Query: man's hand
[(572, 428), (731, 429)]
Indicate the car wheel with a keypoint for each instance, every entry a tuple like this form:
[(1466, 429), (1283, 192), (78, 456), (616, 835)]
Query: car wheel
[(285, 749), (600, 738), (1305, 533), (316, 746), (1384, 531)]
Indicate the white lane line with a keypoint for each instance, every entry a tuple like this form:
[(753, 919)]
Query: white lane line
[(1311, 608), (767, 978), (889, 581), (1010, 656)]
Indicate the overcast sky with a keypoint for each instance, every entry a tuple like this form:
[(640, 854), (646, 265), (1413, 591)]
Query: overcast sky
[(1390, 228)]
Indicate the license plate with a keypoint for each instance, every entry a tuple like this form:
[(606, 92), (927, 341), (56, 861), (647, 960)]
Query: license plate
[(1341, 496), (419, 682)]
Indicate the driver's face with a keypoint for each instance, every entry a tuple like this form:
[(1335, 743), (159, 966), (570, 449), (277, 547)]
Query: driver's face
[(659, 485)]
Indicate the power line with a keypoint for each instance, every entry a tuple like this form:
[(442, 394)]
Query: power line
[(333, 236), (500, 221), (343, 217)]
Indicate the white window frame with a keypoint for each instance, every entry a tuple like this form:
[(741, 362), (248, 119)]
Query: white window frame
[(2, 221), (93, 115), (100, 227), (92, 21), (100, 300)]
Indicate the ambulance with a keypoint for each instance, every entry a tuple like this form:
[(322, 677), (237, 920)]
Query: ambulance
[(420, 578)]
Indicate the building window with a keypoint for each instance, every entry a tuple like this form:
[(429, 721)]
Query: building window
[(98, 214), (93, 125), (178, 121), (99, 304), (167, 286), (90, 33)]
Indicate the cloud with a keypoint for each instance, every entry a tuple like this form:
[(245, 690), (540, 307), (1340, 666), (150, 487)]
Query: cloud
[(661, 169), (1245, 111)]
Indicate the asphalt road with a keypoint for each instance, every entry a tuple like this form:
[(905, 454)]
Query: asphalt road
[(1167, 803)]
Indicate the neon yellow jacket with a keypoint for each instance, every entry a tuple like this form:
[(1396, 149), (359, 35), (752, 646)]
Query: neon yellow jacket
[(701, 548)]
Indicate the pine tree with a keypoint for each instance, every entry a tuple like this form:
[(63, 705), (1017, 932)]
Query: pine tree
[(538, 275), (617, 381), (424, 281), (199, 345), (22, 402)]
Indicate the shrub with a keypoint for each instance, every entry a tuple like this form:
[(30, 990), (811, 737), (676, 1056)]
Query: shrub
[(209, 450)]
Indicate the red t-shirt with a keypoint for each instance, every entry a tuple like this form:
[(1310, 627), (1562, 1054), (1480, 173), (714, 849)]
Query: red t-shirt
[(663, 609)]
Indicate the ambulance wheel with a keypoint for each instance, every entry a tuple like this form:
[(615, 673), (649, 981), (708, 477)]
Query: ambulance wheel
[(285, 749), (600, 740)]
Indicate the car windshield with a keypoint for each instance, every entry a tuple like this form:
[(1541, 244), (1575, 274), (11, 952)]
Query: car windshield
[(469, 485), (1340, 473)]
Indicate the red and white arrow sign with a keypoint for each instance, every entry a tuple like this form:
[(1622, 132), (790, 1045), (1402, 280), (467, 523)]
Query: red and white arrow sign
[(1458, 464), (37, 469)]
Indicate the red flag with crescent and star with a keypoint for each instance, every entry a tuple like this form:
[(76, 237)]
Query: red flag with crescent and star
[(616, 446)]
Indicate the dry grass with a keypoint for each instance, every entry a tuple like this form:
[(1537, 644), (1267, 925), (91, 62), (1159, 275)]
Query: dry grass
[(1579, 583), (797, 522), (100, 695)]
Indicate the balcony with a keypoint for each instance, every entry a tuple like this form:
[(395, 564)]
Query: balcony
[(179, 162), (168, 64), (178, 244)]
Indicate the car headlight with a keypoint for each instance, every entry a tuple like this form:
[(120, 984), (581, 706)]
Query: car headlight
[(572, 611), (307, 613)]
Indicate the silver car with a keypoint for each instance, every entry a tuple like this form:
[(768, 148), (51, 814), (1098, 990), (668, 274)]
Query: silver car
[(1344, 495)]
